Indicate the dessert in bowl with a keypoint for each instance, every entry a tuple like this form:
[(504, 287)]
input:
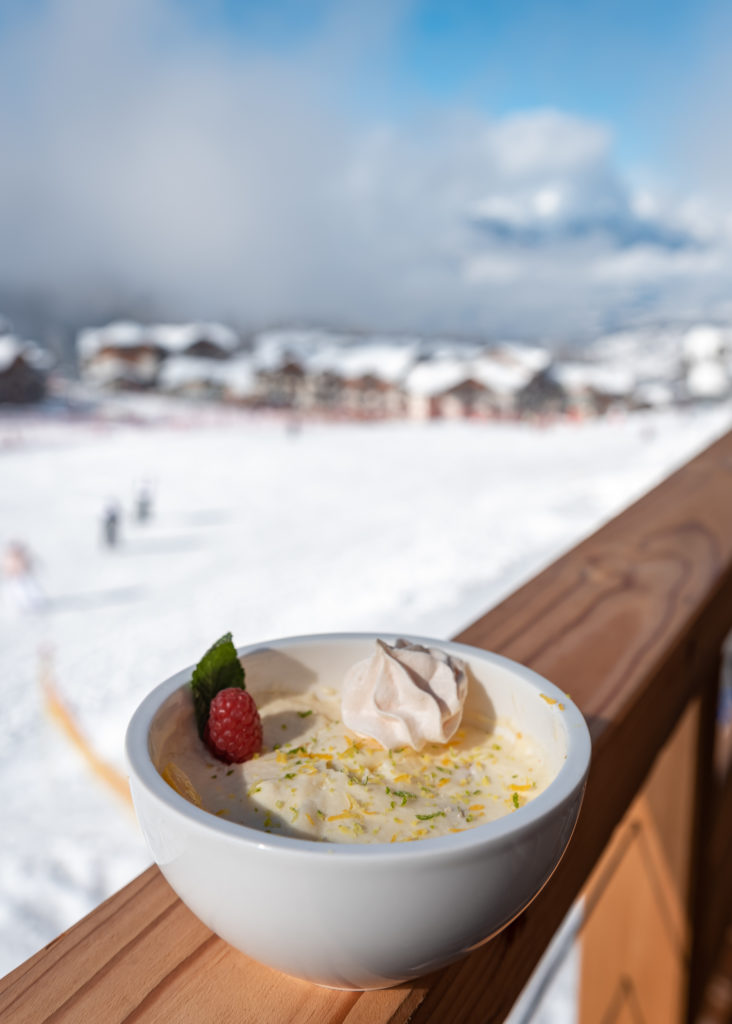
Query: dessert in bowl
[(350, 861)]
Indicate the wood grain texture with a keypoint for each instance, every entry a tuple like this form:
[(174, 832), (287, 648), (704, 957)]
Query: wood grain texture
[(635, 932), (629, 623)]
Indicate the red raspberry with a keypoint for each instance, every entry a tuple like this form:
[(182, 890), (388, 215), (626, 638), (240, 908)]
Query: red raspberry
[(234, 729)]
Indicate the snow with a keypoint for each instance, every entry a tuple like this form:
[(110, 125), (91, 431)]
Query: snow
[(267, 532), (181, 370), (687, 361), (11, 347), (500, 377), (119, 334), (386, 362), (436, 376), (532, 357), (704, 342), (654, 393), (274, 347), (606, 378), (175, 338), (706, 378), (237, 374), (652, 352), (172, 338)]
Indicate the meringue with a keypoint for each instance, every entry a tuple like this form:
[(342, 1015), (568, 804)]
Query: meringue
[(405, 695)]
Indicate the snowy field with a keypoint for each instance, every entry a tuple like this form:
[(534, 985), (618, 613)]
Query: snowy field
[(264, 532)]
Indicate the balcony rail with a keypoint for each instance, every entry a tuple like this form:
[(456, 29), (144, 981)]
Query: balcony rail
[(631, 623)]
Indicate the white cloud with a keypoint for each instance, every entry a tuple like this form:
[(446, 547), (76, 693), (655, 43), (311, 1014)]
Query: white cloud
[(142, 162), (644, 264), (549, 142)]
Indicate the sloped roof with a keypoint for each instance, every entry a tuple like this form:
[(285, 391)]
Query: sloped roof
[(435, 376), (275, 347), (502, 378), (350, 356), (389, 363), (171, 338), (607, 378), (530, 357), (119, 334), (179, 337), (11, 346)]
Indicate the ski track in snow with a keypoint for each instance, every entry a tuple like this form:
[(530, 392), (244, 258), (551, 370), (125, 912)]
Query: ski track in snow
[(402, 527)]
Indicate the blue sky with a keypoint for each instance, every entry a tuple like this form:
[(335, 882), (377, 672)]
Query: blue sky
[(625, 63), (549, 168)]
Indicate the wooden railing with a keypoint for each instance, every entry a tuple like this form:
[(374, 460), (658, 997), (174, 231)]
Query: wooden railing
[(631, 623)]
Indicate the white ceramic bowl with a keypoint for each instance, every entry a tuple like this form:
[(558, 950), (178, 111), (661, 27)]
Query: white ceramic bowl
[(365, 916)]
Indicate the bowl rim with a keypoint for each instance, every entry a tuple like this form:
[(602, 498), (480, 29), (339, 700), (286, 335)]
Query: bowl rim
[(564, 788)]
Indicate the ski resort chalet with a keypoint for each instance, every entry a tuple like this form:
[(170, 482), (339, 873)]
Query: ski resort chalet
[(322, 373), (23, 370), (126, 355)]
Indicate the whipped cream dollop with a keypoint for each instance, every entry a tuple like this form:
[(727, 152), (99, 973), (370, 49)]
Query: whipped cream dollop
[(405, 695)]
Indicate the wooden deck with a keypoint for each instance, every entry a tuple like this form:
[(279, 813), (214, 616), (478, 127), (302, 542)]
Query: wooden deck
[(631, 624)]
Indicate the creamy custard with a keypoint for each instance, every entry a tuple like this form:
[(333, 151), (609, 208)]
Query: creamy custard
[(315, 779)]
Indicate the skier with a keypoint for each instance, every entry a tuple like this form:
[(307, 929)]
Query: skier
[(22, 590), (110, 524), (143, 504)]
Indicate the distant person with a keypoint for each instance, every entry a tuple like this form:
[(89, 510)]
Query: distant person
[(110, 525), (143, 504), (20, 586)]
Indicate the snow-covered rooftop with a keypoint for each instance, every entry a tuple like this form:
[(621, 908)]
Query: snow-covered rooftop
[(236, 375), (531, 357), (119, 333), (707, 378), (381, 360), (704, 341), (435, 376), (179, 337), (350, 356), (273, 348), (654, 352), (503, 378), (655, 393), (11, 346), (607, 378), (173, 338)]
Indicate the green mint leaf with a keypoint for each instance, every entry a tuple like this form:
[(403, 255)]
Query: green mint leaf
[(218, 669)]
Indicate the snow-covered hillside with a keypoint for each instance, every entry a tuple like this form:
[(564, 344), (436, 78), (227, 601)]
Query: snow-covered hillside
[(264, 531)]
